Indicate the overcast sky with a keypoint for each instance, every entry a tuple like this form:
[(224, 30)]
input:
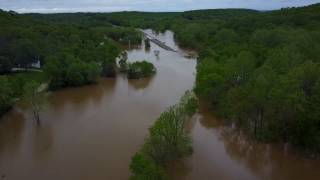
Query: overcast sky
[(51, 6)]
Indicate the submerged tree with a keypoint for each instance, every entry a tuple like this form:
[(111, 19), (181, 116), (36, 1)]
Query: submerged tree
[(123, 65), (34, 93), (147, 44)]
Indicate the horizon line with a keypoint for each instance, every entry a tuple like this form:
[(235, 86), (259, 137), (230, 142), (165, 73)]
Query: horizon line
[(65, 11)]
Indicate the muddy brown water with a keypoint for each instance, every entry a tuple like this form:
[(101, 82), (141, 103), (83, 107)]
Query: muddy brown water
[(91, 133)]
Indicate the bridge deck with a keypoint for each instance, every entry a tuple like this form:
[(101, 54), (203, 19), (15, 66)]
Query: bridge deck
[(158, 42)]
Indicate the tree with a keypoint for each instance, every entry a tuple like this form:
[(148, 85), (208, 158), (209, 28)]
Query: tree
[(25, 53), (143, 168), (92, 72), (225, 36), (74, 76), (5, 65), (36, 97), (6, 95), (241, 67), (55, 71), (147, 44), (123, 62), (65, 69), (259, 88), (140, 69)]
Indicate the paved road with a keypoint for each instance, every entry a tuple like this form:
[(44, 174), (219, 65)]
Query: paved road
[(24, 69)]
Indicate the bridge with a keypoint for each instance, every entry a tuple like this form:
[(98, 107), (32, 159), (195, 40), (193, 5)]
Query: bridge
[(158, 42), (154, 40)]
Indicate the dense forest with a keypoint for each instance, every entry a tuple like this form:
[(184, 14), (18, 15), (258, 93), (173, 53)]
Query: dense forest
[(73, 50), (259, 70)]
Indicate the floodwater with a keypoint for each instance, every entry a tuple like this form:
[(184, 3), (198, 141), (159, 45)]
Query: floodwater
[(223, 152), (91, 133)]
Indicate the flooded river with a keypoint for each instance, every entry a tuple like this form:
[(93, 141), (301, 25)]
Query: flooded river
[(91, 133)]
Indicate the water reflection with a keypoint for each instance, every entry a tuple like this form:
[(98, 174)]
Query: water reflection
[(139, 84), (80, 98), (268, 161), (42, 140), (11, 131), (179, 169)]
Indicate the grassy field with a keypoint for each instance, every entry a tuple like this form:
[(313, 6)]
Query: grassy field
[(27, 76)]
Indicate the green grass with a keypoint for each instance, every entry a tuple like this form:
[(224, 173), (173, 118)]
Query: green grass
[(27, 76)]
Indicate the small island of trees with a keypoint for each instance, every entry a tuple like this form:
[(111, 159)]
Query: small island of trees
[(168, 140), (140, 69)]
